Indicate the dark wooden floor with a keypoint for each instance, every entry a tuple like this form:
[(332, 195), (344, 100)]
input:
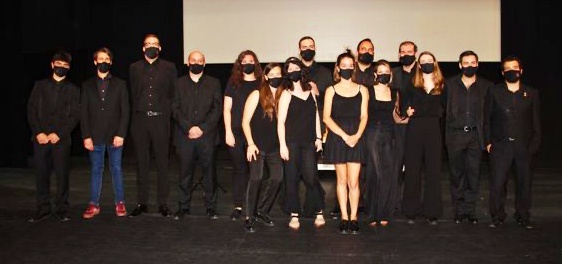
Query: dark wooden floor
[(151, 238)]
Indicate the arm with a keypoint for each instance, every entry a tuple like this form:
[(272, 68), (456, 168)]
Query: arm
[(398, 118), (249, 109), (212, 119), (284, 101), (353, 139), (73, 114), (330, 123), (84, 120), (177, 113), (536, 123), (227, 117), (33, 108), (318, 141), (125, 110), (488, 106)]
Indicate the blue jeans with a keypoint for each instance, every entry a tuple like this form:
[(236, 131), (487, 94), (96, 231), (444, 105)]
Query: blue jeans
[(97, 158)]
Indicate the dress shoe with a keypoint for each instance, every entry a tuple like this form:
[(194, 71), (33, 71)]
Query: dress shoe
[(63, 215), (249, 226), (353, 227), (459, 218), (164, 210), (335, 214), (212, 213), (496, 223), (525, 223), (39, 216), (343, 228), (181, 213), (411, 220), (265, 219), (141, 208), (432, 221), (472, 219), (236, 214)]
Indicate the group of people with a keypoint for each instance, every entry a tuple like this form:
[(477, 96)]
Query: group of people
[(380, 126)]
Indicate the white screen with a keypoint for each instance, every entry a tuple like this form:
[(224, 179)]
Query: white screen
[(221, 29)]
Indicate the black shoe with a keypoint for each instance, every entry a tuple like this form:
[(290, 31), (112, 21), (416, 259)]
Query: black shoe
[(496, 223), (164, 210), (265, 219), (249, 226), (472, 219), (335, 214), (212, 213), (181, 213), (344, 227), (63, 215), (411, 220), (141, 208), (432, 221), (459, 218), (236, 214), (353, 227), (524, 223), (39, 216)]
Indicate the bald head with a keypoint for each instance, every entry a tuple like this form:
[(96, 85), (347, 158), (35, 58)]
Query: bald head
[(196, 57)]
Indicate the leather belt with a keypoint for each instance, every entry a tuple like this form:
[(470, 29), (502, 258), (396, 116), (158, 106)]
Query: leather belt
[(467, 128), (151, 113)]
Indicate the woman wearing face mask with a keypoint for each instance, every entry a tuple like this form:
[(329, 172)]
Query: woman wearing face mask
[(423, 142), (345, 115), (299, 138), (244, 79), (260, 128), (383, 114)]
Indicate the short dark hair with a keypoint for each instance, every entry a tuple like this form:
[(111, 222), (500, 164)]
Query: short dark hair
[(305, 38), (364, 40), (511, 58), (62, 55), (467, 53)]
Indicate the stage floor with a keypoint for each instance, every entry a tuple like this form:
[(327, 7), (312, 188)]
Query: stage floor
[(151, 238)]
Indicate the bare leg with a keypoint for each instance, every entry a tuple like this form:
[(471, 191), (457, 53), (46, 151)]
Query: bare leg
[(341, 189), (353, 170)]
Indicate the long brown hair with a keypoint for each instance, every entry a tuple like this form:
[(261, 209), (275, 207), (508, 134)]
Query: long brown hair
[(237, 75), (438, 78), (267, 101)]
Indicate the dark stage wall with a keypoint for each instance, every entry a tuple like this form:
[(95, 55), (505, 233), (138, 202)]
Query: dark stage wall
[(34, 29)]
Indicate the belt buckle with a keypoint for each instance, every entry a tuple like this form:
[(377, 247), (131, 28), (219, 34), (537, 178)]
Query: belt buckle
[(466, 129), (511, 138), (150, 113)]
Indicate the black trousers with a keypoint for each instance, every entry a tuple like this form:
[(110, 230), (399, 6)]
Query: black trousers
[(202, 151), (465, 156), (399, 146), (505, 156), (49, 158), (267, 189), (380, 176), (423, 147), (151, 132), (302, 163), (240, 168)]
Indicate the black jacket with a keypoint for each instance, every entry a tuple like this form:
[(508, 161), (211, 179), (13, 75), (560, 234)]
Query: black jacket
[(161, 79)]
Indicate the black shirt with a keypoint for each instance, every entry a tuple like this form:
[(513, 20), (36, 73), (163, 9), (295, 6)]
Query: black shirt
[(367, 77), (152, 85), (239, 96), (264, 131), (402, 82), (380, 112), (425, 104), (102, 85), (465, 103), (321, 76)]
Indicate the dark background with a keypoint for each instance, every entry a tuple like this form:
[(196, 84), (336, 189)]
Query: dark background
[(34, 29)]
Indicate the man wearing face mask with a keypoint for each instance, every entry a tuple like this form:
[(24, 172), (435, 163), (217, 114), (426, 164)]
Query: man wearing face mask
[(104, 121), (464, 135), (512, 132), (366, 69), (53, 111), (196, 109), (152, 88)]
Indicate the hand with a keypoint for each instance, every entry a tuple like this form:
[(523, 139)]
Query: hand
[(89, 144), (252, 152), (399, 119), (489, 148), (54, 138), (352, 141), (230, 139), (410, 111), (118, 141), (284, 151), (345, 137), (318, 144), (195, 132), (314, 89), (42, 139)]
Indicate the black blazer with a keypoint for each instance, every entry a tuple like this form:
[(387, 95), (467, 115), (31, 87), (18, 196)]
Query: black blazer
[(103, 120), (60, 118)]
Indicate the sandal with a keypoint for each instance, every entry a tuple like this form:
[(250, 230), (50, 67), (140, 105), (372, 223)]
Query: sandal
[(319, 221), (294, 223)]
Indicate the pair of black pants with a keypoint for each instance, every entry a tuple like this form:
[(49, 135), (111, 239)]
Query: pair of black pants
[(48, 158), (257, 187), (465, 155), (240, 168), (312, 201), (504, 156), (399, 146), (302, 163), (147, 132), (203, 151), (423, 147), (380, 176)]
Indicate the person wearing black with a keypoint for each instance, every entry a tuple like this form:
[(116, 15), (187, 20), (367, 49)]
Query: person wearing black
[(402, 80), (365, 66), (512, 132), (322, 77), (105, 113), (196, 109), (53, 110), (464, 135), (244, 79), (424, 142), (260, 128), (152, 89)]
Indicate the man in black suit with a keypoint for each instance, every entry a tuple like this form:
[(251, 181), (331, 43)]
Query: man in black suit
[(53, 110), (464, 135), (104, 122), (197, 110), (512, 134), (152, 89)]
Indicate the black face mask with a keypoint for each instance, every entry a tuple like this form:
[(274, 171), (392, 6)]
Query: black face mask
[(274, 82), (103, 67), (151, 52), (308, 54), (346, 73), (469, 71), (295, 76), (365, 58), (248, 68), (512, 76), (196, 68), (407, 60), (383, 78), (427, 67), (60, 71)]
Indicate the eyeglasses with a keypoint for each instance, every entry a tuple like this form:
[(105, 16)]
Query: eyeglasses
[(154, 44)]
